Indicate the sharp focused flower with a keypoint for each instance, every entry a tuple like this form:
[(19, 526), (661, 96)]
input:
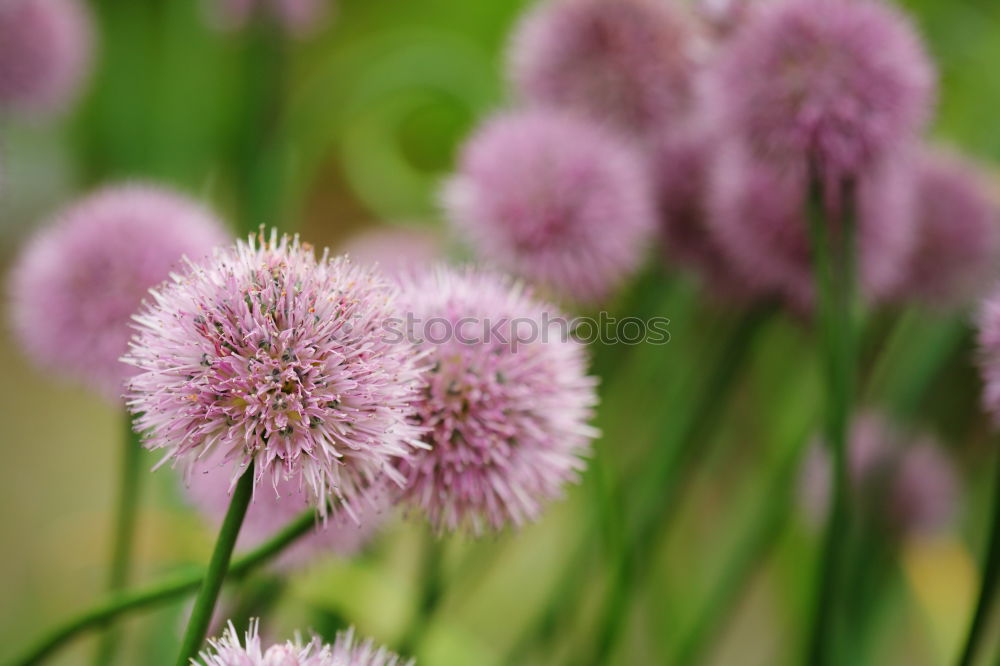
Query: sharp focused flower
[(345, 651), (395, 251), (958, 232), (839, 84), (77, 283), (758, 216), (554, 199), (507, 401), (299, 17), (45, 49), (906, 481), (208, 485), (274, 357)]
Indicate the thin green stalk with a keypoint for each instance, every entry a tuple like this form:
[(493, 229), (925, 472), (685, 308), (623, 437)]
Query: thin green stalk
[(204, 604), (833, 261), (121, 555), (662, 485), (429, 596), (990, 582)]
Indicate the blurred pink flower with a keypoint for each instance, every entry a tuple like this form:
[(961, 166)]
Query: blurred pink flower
[(209, 485), (45, 53), (77, 283), (838, 84), (629, 63), (345, 651), (906, 481), (298, 17), (267, 355), (958, 232), (507, 402), (396, 251), (554, 199)]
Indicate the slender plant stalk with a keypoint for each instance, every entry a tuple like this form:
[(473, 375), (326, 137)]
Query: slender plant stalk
[(429, 596), (121, 555), (664, 481), (990, 582), (204, 604), (160, 593), (833, 261)]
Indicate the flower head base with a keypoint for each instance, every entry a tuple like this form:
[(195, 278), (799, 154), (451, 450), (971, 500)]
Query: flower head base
[(396, 251), (627, 62), (906, 481), (554, 199), (78, 282), (507, 402), (208, 485), (839, 84), (345, 651), (958, 232), (272, 356), (758, 218), (45, 49)]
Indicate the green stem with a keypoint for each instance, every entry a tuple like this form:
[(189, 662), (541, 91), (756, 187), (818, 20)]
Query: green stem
[(431, 590), (833, 261), (991, 578), (662, 485), (121, 557), (204, 604)]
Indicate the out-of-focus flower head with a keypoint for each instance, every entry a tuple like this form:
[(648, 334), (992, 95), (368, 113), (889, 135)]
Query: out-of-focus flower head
[(904, 480), (209, 484), (299, 17), (396, 251), (836, 84), (626, 62), (76, 284), (507, 401), (45, 54), (555, 199), (958, 232), (758, 216), (346, 650), (272, 356)]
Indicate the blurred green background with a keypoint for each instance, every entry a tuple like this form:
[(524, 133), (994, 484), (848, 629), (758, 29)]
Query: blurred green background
[(370, 112)]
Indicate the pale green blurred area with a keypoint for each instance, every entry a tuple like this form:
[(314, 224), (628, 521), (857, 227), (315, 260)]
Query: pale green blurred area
[(377, 104)]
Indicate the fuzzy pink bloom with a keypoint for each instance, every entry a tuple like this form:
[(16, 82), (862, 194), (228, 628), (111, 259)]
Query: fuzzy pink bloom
[(507, 402), (271, 356), (725, 16), (988, 322), (345, 651), (298, 17), (906, 480), (554, 199), (758, 216), (45, 53), (840, 84), (396, 251), (958, 232), (626, 62), (77, 283), (208, 485)]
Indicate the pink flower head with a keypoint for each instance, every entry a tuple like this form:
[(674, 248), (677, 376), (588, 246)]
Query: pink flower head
[(554, 199), (758, 216), (839, 84), (989, 352), (45, 53), (77, 283), (345, 651), (958, 232), (507, 402), (627, 62), (906, 481), (298, 17), (272, 509), (396, 251), (274, 357)]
